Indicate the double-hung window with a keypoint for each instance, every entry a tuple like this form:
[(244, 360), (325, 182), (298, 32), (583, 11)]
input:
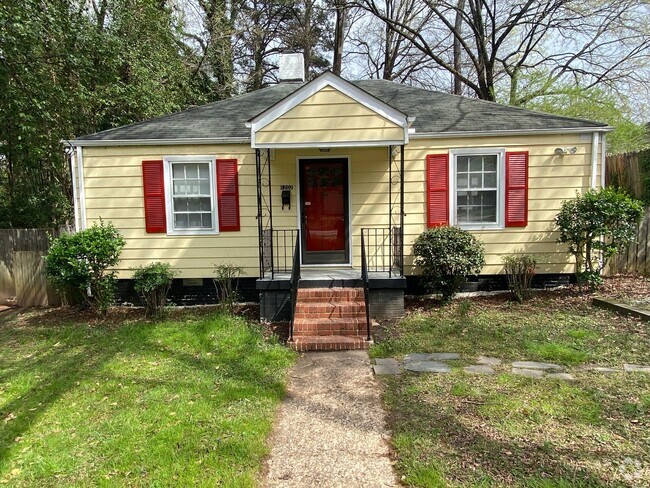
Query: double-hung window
[(477, 196), (191, 202)]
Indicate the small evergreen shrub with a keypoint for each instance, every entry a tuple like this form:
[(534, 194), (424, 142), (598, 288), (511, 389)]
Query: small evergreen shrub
[(596, 226), (152, 282), (447, 256), (81, 262), (520, 270), (225, 281)]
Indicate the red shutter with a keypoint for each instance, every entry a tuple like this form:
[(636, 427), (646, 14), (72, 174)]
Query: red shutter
[(437, 190), (517, 189), (228, 195), (153, 180)]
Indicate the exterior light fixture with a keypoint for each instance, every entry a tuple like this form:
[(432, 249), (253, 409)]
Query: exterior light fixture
[(561, 151)]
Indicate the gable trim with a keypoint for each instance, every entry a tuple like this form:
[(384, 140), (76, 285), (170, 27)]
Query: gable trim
[(346, 88)]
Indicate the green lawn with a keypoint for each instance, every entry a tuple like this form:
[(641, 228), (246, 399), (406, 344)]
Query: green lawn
[(185, 402), (505, 430)]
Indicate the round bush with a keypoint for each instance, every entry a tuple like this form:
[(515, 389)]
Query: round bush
[(152, 282), (81, 262), (447, 256)]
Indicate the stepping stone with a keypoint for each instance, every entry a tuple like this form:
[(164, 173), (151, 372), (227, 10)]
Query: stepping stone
[(536, 365), (489, 361), (434, 356), (561, 376), (416, 356), (479, 369), (443, 356), (427, 367), (528, 373), (386, 366), (600, 369), (636, 368)]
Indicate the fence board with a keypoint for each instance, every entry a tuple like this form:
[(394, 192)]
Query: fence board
[(31, 287), (636, 258)]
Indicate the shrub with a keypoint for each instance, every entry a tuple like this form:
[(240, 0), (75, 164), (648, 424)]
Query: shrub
[(226, 286), (447, 256), (520, 270), (81, 262), (596, 226), (152, 282)]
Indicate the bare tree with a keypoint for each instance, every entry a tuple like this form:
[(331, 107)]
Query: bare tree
[(540, 43), (382, 52)]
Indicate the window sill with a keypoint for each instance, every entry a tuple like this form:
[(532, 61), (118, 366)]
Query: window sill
[(480, 227), (193, 232)]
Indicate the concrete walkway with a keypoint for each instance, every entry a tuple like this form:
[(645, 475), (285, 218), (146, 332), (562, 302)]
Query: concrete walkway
[(331, 430)]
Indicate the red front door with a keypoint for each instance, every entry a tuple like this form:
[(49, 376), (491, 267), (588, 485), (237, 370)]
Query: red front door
[(323, 189)]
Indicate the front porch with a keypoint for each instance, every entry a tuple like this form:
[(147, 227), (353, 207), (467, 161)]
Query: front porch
[(330, 212)]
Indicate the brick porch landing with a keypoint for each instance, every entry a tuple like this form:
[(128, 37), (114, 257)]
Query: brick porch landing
[(330, 319)]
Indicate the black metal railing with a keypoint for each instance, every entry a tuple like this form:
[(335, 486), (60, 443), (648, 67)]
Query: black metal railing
[(295, 279), (383, 249), (278, 251), (364, 279)]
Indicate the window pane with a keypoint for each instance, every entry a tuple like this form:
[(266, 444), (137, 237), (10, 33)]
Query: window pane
[(476, 163), (191, 171), (489, 180), (204, 188), (475, 181), (206, 220), (476, 207), (178, 171), (195, 219), (462, 198), (462, 180), (180, 221), (463, 164), (490, 163), (204, 171), (181, 204)]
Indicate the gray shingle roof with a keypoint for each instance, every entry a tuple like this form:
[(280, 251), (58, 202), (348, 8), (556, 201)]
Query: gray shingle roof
[(435, 112)]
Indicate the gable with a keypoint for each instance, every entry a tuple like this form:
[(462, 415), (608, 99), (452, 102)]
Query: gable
[(329, 111)]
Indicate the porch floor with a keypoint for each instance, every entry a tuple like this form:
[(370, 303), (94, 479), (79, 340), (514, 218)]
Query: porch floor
[(334, 277)]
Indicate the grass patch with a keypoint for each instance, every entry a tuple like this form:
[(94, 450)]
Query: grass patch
[(463, 430), (186, 401)]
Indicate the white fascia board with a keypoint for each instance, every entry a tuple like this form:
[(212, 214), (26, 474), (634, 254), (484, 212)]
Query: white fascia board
[(497, 133), (299, 145), (156, 142), (327, 79)]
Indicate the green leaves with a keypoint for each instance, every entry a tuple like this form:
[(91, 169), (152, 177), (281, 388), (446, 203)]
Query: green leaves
[(447, 255), (80, 262), (597, 225), (152, 282)]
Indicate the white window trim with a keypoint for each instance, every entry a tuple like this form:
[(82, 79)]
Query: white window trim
[(168, 161), (500, 153)]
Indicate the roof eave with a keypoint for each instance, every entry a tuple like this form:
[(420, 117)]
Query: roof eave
[(511, 132), (156, 142)]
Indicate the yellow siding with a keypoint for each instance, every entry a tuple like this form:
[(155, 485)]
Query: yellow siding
[(113, 184), (329, 116), (113, 177)]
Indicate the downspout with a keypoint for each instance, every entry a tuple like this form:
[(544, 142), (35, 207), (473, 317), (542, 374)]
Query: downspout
[(75, 191), (594, 159), (603, 159), (82, 191)]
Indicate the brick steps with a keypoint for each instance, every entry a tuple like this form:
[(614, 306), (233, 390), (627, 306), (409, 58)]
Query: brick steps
[(329, 319), (329, 343), (329, 310)]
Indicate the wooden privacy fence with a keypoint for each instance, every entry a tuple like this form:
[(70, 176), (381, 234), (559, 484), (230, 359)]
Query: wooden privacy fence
[(22, 268), (636, 258), (626, 171)]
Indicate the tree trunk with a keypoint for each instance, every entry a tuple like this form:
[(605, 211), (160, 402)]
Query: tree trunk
[(458, 27), (339, 36)]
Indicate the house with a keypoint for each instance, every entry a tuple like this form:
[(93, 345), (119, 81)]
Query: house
[(321, 165)]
